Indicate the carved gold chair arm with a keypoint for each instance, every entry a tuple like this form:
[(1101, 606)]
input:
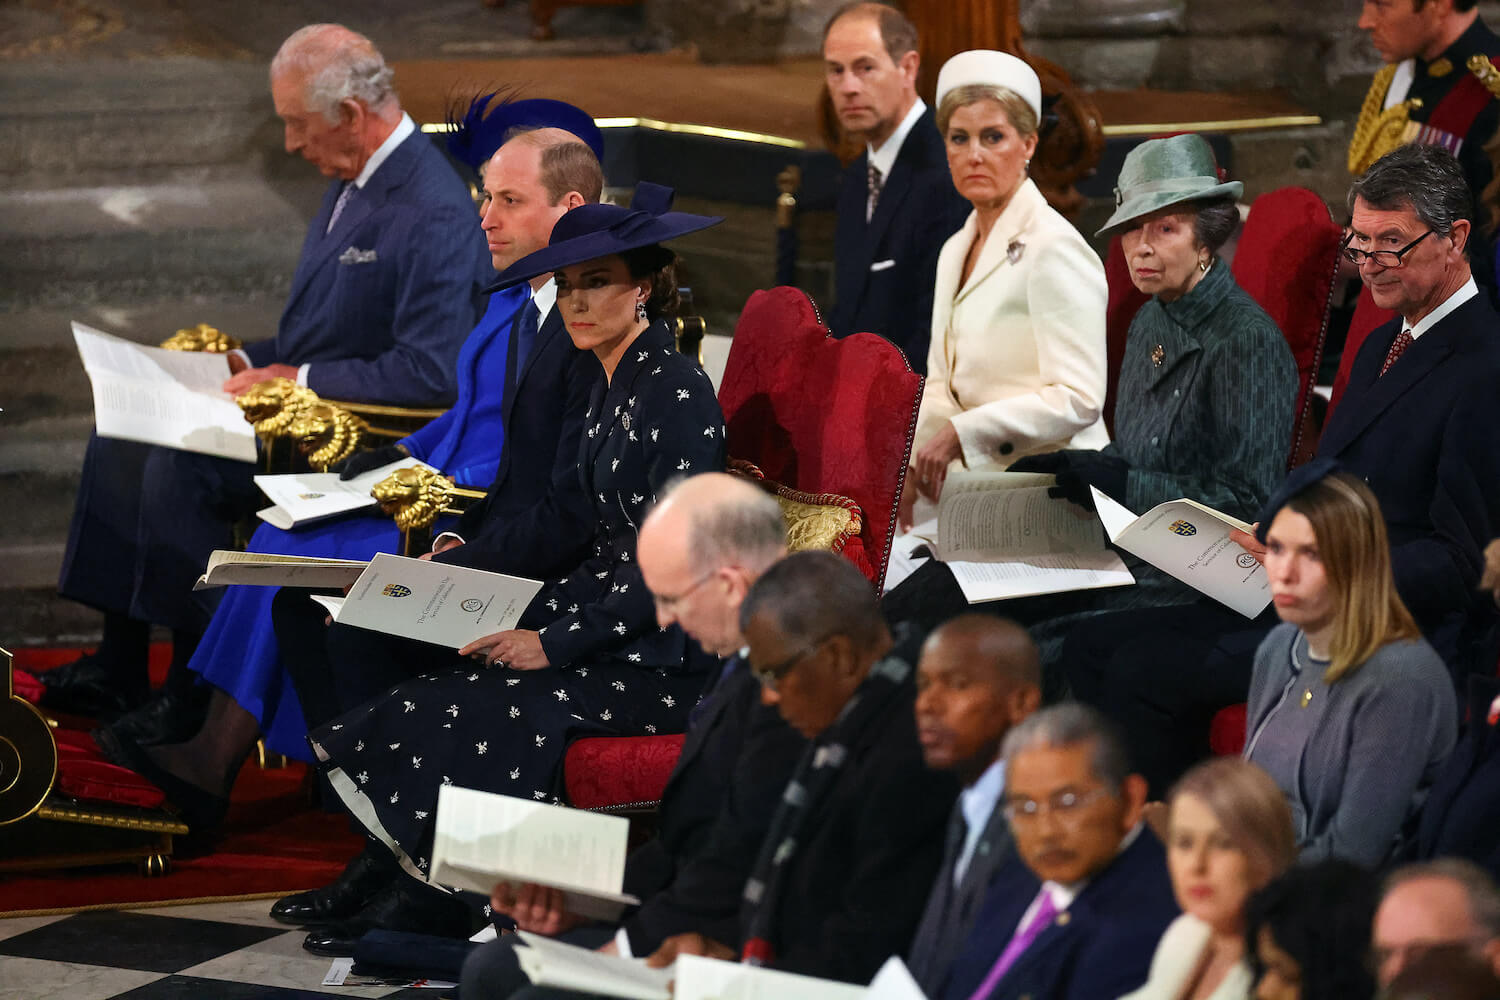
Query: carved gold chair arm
[(390, 423), (205, 338), (326, 434), (273, 405), (415, 498)]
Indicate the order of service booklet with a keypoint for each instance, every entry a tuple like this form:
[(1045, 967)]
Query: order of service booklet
[(1191, 542), (309, 497), (1003, 536), (482, 838), (431, 601), (691, 977), (169, 398), (264, 569)]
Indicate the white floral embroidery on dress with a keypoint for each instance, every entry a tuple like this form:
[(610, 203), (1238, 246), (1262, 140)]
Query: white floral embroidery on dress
[(515, 713), (560, 694), (515, 774), (606, 715), (453, 710), (408, 706), (540, 739), (482, 748)]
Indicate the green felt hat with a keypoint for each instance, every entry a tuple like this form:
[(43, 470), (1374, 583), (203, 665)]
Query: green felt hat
[(1163, 172)]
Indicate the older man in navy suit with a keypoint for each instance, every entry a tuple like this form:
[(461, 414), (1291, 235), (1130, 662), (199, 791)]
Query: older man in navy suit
[(896, 201), (1077, 914), (978, 677), (388, 284)]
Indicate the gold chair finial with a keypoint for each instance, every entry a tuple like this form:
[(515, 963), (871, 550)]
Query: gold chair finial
[(326, 434), (205, 338), (272, 405), (413, 497)]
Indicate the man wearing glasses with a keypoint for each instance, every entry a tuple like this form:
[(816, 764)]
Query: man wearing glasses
[(1079, 911), (701, 549), (837, 885), (1438, 908)]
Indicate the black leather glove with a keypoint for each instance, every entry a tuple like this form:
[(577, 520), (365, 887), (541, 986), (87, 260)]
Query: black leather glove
[(363, 461), (1048, 462), (1082, 469)]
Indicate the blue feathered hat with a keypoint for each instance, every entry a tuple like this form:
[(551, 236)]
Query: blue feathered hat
[(598, 230), (481, 129)]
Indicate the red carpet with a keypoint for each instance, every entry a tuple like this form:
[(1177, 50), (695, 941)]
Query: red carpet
[(273, 843)]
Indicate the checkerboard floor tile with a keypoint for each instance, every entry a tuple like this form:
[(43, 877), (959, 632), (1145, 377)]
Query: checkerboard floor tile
[(224, 951)]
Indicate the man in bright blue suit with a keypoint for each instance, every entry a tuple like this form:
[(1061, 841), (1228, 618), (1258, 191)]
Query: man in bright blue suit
[(388, 284), (1077, 914)]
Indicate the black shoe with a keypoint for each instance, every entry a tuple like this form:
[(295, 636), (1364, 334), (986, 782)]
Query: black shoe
[(370, 873), (86, 687), (169, 717), (200, 809), (408, 905)]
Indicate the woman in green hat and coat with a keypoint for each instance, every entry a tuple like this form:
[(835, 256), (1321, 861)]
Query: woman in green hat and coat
[(1206, 394)]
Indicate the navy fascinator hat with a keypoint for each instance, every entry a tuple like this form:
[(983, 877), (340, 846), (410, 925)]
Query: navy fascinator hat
[(481, 129), (599, 230), (1300, 478)]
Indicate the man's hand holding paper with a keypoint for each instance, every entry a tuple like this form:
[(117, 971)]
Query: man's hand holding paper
[(689, 944), (240, 382)]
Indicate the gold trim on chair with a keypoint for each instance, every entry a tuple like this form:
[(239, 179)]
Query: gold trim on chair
[(28, 753)]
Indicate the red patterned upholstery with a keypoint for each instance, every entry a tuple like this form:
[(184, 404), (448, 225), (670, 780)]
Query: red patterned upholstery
[(822, 415), (614, 772), (1125, 300), (1367, 317), (1226, 734), (83, 773), (1286, 260)]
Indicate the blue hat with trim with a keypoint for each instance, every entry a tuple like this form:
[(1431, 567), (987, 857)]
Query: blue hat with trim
[(1297, 481), (481, 129), (599, 230)]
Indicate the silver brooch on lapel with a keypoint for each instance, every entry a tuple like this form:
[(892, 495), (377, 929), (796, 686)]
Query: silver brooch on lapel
[(1014, 250), (1158, 355)]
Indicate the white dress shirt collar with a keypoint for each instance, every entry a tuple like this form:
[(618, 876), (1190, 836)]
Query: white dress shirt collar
[(404, 128), (978, 803), (1452, 302), (884, 158), (544, 299)]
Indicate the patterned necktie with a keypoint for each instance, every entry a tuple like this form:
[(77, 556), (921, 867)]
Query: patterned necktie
[(1398, 347), (526, 332), (875, 180), (338, 206), (1044, 915)]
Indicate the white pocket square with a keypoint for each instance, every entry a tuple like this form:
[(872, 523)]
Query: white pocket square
[(353, 255), (882, 265)]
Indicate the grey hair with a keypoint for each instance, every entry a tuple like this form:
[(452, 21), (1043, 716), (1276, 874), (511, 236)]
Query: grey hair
[(336, 64), (1069, 724), (810, 596), (1479, 889), (743, 527), (1426, 179), (1215, 222)]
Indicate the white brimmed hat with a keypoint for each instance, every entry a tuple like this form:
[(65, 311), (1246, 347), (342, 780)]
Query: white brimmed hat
[(991, 68)]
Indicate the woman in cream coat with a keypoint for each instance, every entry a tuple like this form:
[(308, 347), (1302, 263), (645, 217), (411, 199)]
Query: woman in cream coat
[(1017, 362)]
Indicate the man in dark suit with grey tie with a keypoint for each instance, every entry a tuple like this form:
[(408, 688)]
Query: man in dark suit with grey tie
[(896, 202), (978, 676), (700, 550)]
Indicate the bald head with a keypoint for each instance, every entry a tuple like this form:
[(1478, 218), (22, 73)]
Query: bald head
[(978, 676), (702, 547)]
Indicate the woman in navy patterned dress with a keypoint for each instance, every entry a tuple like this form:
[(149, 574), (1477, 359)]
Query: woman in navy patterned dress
[(588, 658)]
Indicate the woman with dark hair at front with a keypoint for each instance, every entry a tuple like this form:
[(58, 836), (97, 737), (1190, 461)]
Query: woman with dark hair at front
[(1307, 934), (1350, 711), (588, 657)]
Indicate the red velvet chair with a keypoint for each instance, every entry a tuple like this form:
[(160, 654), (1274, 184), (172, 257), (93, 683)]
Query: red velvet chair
[(1287, 260), (62, 804), (1125, 300), (815, 414)]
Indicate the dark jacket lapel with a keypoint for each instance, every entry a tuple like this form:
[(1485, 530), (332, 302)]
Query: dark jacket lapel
[(1375, 392)]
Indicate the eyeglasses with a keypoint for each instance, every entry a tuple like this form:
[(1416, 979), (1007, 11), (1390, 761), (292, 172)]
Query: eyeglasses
[(770, 676), (669, 603), (1064, 805), (1385, 258)]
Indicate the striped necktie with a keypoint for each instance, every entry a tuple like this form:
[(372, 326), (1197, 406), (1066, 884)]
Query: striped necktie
[(338, 206), (875, 180)]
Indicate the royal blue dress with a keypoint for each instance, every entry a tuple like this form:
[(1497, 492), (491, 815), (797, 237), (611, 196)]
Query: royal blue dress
[(238, 652)]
